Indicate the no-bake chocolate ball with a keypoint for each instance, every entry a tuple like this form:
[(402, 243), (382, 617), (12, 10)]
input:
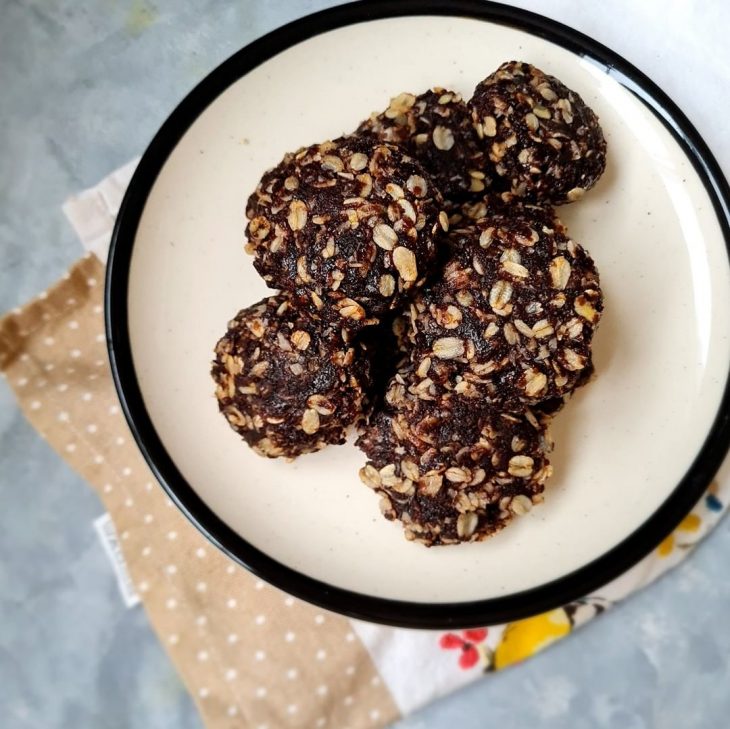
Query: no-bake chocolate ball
[(542, 138), (451, 472), (436, 128), (288, 382), (511, 319), (349, 226)]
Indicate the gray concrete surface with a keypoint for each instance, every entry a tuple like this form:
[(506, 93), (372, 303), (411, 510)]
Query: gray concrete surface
[(83, 86)]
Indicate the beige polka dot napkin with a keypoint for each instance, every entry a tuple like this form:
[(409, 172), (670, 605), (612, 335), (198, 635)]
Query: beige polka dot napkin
[(250, 655)]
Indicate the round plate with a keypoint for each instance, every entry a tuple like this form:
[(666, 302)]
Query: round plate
[(634, 450)]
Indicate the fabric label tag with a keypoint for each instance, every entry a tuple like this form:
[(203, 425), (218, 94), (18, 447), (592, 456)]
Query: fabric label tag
[(104, 527)]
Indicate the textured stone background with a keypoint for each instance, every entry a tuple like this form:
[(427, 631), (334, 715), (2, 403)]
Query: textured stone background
[(84, 85)]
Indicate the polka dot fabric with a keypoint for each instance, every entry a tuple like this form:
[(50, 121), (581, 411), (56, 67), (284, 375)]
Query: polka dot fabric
[(250, 655)]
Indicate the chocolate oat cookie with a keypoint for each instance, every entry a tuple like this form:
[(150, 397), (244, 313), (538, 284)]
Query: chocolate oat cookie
[(540, 135), (349, 226), (512, 317), (450, 472), (436, 128), (287, 382)]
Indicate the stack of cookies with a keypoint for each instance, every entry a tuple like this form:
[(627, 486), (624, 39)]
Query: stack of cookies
[(428, 297)]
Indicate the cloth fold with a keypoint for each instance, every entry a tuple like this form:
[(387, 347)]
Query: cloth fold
[(250, 655)]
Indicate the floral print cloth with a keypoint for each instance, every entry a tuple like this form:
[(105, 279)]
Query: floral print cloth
[(458, 657)]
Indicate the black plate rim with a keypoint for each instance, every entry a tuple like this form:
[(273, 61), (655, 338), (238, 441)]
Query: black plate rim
[(367, 607)]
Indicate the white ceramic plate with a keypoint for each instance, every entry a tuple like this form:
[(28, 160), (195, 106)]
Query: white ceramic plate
[(626, 458)]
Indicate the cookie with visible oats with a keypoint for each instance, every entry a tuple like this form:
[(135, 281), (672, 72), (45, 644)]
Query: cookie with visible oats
[(512, 317), (287, 382), (436, 128), (450, 472), (349, 226), (539, 134)]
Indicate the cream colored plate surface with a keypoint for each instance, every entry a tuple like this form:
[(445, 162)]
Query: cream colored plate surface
[(623, 443)]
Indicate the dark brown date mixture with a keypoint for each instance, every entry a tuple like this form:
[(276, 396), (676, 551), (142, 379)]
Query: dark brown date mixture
[(541, 137), (436, 128), (387, 348), (349, 226), (512, 317), (451, 472), (287, 382)]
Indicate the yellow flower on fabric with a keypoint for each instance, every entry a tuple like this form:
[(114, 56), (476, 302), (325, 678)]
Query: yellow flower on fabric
[(524, 638), (690, 523)]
